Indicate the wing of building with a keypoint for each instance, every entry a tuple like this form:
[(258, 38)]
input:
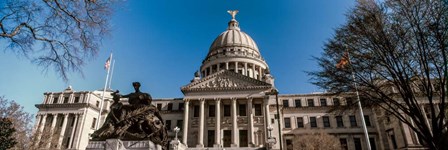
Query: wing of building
[(230, 104)]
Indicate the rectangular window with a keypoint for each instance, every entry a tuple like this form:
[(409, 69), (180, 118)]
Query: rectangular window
[(287, 122), (298, 103), (299, 122), (93, 123), (257, 109), (76, 100), (357, 142), (353, 121), (289, 145), (65, 100), (226, 110), (285, 103), (97, 104), (394, 142), (310, 102), (367, 120), (211, 138), (339, 121), (180, 124), (372, 143), (168, 125), (159, 107), (196, 111), (73, 122), (343, 142), (55, 100), (170, 106), (242, 109), (336, 102), (326, 121), (211, 110), (323, 102), (181, 106), (313, 122)]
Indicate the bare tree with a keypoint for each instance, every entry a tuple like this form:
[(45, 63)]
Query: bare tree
[(316, 141), (20, 119), (397, 53), (56, 34)]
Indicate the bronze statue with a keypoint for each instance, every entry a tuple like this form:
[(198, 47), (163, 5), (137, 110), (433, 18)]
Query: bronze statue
[(137, 121)]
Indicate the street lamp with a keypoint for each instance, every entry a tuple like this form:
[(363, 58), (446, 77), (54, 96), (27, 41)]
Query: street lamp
[(275, 92), (176, 130), (271, 141), (175, 142)]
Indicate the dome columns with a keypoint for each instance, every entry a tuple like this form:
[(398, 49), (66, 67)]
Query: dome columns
[(248, 69)]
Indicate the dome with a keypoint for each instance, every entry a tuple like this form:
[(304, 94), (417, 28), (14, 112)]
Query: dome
[(236, 51)]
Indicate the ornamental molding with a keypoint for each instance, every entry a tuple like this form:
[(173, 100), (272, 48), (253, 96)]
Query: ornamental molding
[(225, 80)]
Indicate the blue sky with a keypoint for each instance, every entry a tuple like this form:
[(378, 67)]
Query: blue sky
[(162, 43)]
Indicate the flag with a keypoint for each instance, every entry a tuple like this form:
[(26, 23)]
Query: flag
[(107, 64), (343, 62)]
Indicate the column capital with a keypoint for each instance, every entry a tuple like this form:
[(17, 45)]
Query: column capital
[(186, 100), (249, 98), (233, 99), (217, 99), (201, 100)]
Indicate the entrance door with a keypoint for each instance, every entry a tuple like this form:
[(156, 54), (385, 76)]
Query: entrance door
[(227, 138), (211, 138), (243, 138)]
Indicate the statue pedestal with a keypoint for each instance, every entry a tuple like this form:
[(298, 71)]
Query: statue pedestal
[(117, 144)]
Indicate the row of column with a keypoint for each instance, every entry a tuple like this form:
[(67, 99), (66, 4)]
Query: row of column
[(209, 70), (48, 99), (42, 118), (218, 122)]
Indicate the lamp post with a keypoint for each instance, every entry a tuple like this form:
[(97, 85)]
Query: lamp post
[(271, 141), (275, 92), (175, 142)]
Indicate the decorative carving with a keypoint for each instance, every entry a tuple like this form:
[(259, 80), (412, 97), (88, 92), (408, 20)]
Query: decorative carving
[(242, 120), (138, 121), (258, 120), (221, 82)]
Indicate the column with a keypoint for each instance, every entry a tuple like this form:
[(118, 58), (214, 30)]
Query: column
[(218, 67), (185, 128), (53, 124), (234, 124), (260, 74), (245, 70), (72, 135), (64, 126), (253, 71), (267, 115), (227, 65), (210, 69), (218, 123), (201, 123), (251, 122), (41, 128), (38, 120), (236, 66)]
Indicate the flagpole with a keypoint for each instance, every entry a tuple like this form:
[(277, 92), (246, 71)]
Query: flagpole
[(363, 121), (102, 98), (111, 73)]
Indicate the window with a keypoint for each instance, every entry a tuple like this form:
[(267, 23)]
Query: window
[(168, 125), (55, 100), (310, 102), (76, 100), (170, 106), (343, 142), (349, 101), (287, 122), (298, 103), (285, 103), (313, 122), (181, 106), (242, 109), (211, 139), (326, 120), (353, 121), (226, 110), (372, 143), (93, 123), (299, 122), (180, 124), (394, 142), (97, 104), (257, 109), (65, 100), (367, 120), (73, 122), (336, 102), (357, 142), (289, 145), (196, 111), (211, 110), (62, 122), (323, 102), (339, 121), (159, 107)]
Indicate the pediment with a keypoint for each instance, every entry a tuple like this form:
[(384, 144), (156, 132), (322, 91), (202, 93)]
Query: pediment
[(226, 80)]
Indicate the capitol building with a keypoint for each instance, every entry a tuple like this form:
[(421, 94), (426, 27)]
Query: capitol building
[(230, 103)]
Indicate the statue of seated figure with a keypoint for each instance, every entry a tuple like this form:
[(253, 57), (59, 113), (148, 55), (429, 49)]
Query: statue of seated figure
[(137, 121)]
